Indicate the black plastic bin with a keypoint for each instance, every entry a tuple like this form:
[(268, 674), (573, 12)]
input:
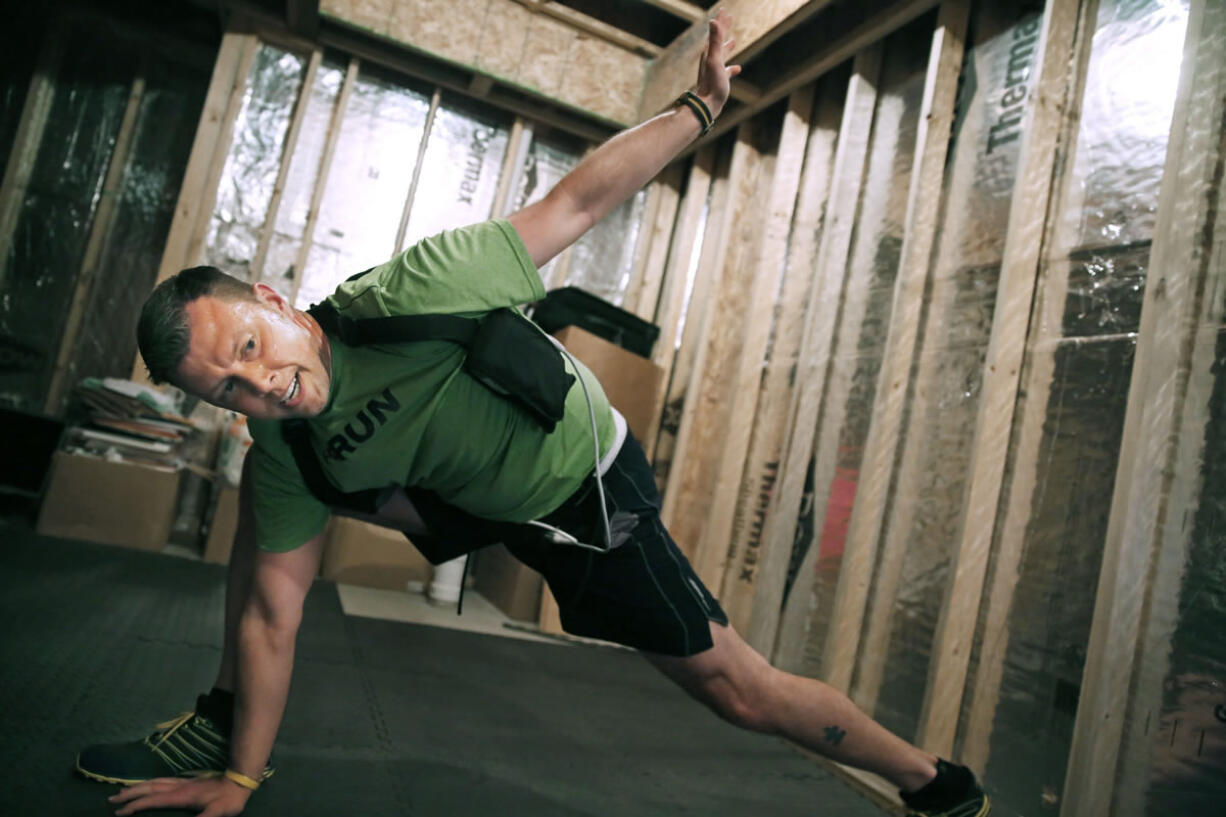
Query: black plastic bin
[(571, 306)]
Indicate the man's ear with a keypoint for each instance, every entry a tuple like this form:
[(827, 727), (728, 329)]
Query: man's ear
[(270, 297)]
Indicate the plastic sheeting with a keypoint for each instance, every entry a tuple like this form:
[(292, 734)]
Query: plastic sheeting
[(603, 260), (250, 172), (91, 78), (1182, 740), (1079, 372), (367, 184), (546, 162), (927, 506), (460, 172), (279, 269), (867, 301)]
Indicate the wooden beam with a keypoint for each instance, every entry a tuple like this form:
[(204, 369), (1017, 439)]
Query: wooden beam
[(830, 271), (857, 39), (659, 240), (709, 264), (287, 153), (762, 464), (679, 8), (591, 25), (27, 140), (1172, 378), (642, 246), (518, 146), (919, 234), (321, 178), (228, 78), (1063, 45), (99, 237), (212, 178), (302, 17), (757, 312), (756, 24), (704, 420), (420, 160), (681, 259)]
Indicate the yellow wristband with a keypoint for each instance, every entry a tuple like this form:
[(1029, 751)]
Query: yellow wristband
[(242, 779)]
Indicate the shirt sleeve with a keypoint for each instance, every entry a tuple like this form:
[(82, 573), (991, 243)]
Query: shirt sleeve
[(473, 269), (286, 513)]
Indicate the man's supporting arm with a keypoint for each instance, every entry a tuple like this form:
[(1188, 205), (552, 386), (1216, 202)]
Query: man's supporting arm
[(619, 167), (267, 631)]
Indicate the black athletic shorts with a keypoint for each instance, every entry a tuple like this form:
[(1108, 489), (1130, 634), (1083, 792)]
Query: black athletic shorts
[(642, 594)]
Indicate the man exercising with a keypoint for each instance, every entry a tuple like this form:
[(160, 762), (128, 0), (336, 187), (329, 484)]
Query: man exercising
[(417, 431)]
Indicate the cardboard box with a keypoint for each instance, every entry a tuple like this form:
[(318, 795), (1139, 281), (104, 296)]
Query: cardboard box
[(222, 526), (632, 383), (115, 503), (368, 555), (509, 584)]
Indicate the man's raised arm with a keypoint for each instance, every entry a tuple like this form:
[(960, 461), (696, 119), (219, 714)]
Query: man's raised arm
[(619, 167)]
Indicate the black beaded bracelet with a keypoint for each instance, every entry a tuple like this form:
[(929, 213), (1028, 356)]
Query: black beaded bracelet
[(692, 101)]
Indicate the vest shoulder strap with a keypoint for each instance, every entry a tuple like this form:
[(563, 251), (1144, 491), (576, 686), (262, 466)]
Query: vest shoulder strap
[(394, 328), (297, 437)]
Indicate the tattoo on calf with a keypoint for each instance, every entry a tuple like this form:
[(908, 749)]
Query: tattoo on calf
[(835, 735)]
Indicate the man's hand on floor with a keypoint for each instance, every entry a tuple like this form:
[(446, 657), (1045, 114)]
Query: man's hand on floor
[(212, 797)]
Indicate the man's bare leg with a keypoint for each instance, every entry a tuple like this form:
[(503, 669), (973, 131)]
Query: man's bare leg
[(739, 685)]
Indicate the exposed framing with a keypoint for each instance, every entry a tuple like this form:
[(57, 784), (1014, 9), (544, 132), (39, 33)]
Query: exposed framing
[(766, 264), (762, 463), (321, 179), (99, 237), (705, 416), (695, 308), (287, 152), (658, 234), (1164, 426), (428, 126), (814, 358), (1062, 52), (671, 302), (924, 201), (228, 80), (28, 138)]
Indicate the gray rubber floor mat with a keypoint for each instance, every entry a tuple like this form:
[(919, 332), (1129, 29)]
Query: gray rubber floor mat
[(384, 718)]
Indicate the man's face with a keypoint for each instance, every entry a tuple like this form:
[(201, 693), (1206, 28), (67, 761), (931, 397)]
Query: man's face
[(261, 358)]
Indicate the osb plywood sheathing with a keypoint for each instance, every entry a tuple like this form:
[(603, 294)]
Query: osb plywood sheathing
[(670, 304), (199, 188), (695, 309), (287, 152), (538, 45), (1049, 119), (28, 139), (99, 235), (876, 469), (830, 271), (704, 421), (759, 480), (321, 178), (741, 394), (1157, 481)]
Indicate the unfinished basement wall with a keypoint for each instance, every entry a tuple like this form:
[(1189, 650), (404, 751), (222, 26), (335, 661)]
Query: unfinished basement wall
[(96, 130), (958, 479)]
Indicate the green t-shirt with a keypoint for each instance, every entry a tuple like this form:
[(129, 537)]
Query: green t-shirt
[(407, 414)]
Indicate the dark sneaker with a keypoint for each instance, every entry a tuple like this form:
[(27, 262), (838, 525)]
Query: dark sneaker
[(954, 792), (191, 745)]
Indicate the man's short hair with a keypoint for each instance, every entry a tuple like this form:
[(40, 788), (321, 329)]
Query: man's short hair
[(162, 333)]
